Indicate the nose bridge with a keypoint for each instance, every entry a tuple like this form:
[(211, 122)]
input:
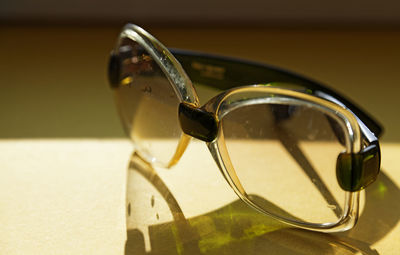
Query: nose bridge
[(197, 122)]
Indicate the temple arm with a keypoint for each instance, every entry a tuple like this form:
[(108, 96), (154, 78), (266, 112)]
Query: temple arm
[(225, 73)]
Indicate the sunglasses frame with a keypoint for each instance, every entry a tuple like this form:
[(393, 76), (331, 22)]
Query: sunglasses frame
[(360, 142)]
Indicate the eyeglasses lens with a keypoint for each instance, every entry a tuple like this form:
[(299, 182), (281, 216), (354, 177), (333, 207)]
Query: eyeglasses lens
[(285, 158), (147, 103)]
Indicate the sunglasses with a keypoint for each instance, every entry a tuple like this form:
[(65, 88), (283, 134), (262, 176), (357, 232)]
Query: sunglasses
[(288, 146)]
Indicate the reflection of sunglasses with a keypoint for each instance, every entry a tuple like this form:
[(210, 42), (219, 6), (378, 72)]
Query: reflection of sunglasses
[(286, 139)]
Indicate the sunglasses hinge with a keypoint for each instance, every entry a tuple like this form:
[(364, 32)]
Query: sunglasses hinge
[(355, 171)]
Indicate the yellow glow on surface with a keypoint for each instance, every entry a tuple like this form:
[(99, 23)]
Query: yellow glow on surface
[(67, 196), (63, 196), (127, 81)]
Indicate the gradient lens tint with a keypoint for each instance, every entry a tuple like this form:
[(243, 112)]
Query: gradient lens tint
[(147, 103)]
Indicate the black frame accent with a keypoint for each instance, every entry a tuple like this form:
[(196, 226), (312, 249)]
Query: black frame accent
[(355, 171), (231, 72), (197, 122)]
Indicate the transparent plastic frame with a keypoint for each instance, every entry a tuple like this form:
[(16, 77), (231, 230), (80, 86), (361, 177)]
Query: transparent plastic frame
[(271, 95), (358, 136)]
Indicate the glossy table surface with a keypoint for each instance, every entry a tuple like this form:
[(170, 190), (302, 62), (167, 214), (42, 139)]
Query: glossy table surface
[(64, 158)]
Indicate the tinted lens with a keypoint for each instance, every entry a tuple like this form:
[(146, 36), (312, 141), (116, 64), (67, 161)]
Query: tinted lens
[(147, 103), (285, 158)]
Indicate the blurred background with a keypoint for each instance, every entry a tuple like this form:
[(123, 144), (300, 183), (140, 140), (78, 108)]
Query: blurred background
[(188, 13), (64, 155), (54, 54)]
